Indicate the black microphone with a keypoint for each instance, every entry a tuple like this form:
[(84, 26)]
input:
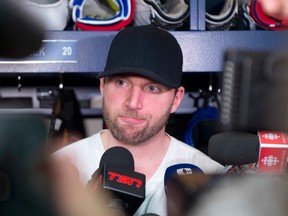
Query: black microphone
[(20, 34), (176, 202), (234, 148), (179, 170), (116, 175)]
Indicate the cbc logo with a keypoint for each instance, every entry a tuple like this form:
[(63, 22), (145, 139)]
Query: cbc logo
[(271, 136), (184, 171), (270, 160)]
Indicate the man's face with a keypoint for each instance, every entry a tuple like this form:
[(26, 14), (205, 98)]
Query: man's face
[(136, 108)]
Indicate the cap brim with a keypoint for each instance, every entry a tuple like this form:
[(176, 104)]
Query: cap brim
[(138, 71)]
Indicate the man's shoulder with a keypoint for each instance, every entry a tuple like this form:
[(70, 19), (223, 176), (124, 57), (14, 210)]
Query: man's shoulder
[(80, 146), (180, 145)]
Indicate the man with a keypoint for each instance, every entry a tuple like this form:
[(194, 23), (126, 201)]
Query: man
[(141, 87)]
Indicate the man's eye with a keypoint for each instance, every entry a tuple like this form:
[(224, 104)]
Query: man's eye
[(120, 83), (153, 89)]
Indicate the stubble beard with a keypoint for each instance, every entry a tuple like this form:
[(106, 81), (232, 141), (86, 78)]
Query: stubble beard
[(138, 136)]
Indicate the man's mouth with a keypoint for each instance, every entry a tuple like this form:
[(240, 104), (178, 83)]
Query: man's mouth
[(132, 120)]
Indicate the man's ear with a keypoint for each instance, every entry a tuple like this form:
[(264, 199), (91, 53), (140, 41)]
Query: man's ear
[(101, 85), (177, 99)]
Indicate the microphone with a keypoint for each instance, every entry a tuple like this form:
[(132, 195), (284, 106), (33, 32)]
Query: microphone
[(179, 170), (176, 202), (234, 148), (116, 175), (265, 152), (20, 35)]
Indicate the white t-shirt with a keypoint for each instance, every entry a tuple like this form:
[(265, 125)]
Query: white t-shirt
[(86, 154)]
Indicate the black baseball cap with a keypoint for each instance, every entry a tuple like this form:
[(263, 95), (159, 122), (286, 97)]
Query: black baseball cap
[(147, 51)]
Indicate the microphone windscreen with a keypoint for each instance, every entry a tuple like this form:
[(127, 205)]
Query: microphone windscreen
[(20, 35), (118, 156), (234, 148)]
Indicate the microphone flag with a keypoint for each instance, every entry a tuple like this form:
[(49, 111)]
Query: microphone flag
[(181, 169), (273, 152)]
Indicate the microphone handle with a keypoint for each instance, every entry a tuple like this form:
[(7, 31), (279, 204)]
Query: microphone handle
[(118, 207)]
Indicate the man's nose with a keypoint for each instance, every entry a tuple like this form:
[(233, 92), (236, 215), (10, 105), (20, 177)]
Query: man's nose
[(134, 99)]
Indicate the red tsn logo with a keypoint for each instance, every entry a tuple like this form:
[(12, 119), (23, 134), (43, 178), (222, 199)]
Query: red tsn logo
[(125, 179)]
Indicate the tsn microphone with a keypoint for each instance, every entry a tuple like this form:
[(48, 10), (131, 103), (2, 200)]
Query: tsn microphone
[(116, 175)]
